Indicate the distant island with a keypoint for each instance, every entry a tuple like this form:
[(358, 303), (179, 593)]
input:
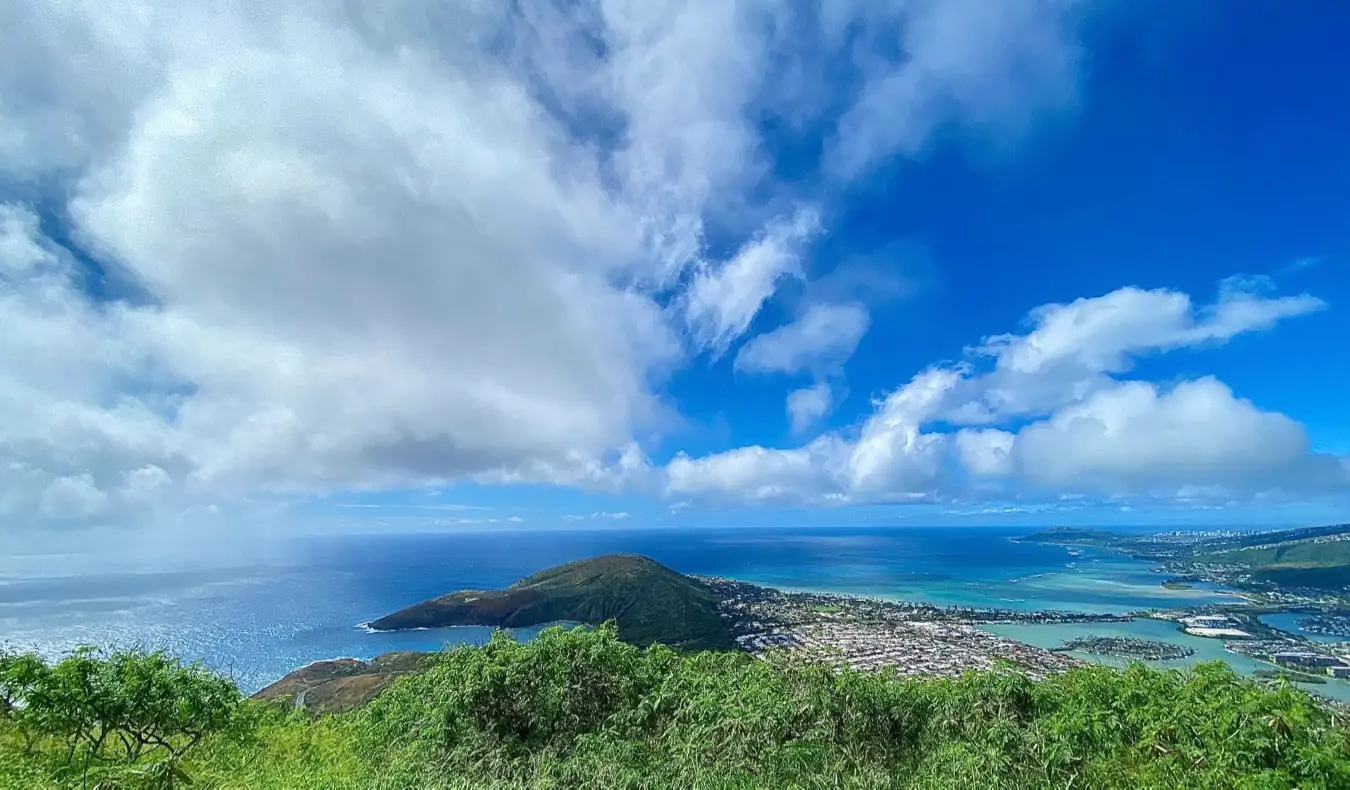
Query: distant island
[(647, 602)]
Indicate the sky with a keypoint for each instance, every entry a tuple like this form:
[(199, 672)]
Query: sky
[(403, 265)]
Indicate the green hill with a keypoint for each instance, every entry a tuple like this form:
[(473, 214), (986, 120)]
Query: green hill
[(1305, 553), (648, 602), (1318, 563)]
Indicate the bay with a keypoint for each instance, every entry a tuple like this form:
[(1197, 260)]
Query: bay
[(303, 599)]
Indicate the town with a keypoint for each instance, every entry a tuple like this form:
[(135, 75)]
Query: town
[(1244, 634), (918, 639), (869, 633)]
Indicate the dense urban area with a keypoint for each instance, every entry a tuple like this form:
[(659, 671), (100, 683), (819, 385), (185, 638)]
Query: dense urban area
[(1299, 571)]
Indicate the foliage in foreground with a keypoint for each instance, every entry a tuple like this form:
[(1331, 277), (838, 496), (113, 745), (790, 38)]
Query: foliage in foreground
[(123, 713), (579, 708)]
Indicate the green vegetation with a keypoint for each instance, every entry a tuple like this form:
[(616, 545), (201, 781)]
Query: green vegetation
[(1316, 558), (648, 602), (127, 714), (1323, 564), (1073, 536), (827, 608), (1173, 584), (582, 709), (1290, 675), (343, 684), (1304, 553)]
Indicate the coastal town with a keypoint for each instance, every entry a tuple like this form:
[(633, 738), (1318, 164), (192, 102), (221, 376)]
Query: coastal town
[(915, 639), (912, 639), (910, 649)]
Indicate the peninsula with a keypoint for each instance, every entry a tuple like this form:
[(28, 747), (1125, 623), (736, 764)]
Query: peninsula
[(647, 602), (650, 603)]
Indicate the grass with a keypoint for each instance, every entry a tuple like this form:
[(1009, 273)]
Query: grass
[(582, 709)]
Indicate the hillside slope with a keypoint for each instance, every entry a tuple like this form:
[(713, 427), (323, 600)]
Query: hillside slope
[(343, 684), (580, 709), (1320, 563), (647, 601)]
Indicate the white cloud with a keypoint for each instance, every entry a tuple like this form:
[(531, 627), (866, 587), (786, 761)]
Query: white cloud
[(73, 497), (21, 249), (807, 405), (929, 64), (821, 339), (384, 245), (1103, 333), (1101, 436), (1072, 350), (1136, 438), (758, 474), (599, 514), (986, 452), (722, 302)]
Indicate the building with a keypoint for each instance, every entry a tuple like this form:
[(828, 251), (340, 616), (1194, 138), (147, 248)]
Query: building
[(1302, 659), (1208, 621), (1339, 671)]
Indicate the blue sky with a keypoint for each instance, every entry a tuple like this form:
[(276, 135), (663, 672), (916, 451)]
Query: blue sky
[(772, 262)]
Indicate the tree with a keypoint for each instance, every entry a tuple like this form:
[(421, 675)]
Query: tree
[(118, 706)]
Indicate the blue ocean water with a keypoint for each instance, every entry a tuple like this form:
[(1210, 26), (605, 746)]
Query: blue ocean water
[(259, 619)]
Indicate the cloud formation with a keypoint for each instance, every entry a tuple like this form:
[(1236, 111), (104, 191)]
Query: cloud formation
[(820, 340), (314, 246), (808, 404), (1084, 430)]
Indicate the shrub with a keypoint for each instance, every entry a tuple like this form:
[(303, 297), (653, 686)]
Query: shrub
[(116, 707)]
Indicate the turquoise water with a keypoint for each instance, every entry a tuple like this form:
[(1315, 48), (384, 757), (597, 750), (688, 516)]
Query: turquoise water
[(1097, 583), (1054, 635), (1288, 622), (301, 602)]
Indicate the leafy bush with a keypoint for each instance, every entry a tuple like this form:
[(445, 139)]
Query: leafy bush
[(576, 705), (580, 709), (116, 707)]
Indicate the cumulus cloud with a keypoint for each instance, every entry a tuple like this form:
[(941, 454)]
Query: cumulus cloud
[(807, 405), (1074, 349), (1136, 438), (758, 474), (389, 244), (1057, 420)]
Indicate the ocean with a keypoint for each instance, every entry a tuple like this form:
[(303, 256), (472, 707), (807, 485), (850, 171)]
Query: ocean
[(304, 599)]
